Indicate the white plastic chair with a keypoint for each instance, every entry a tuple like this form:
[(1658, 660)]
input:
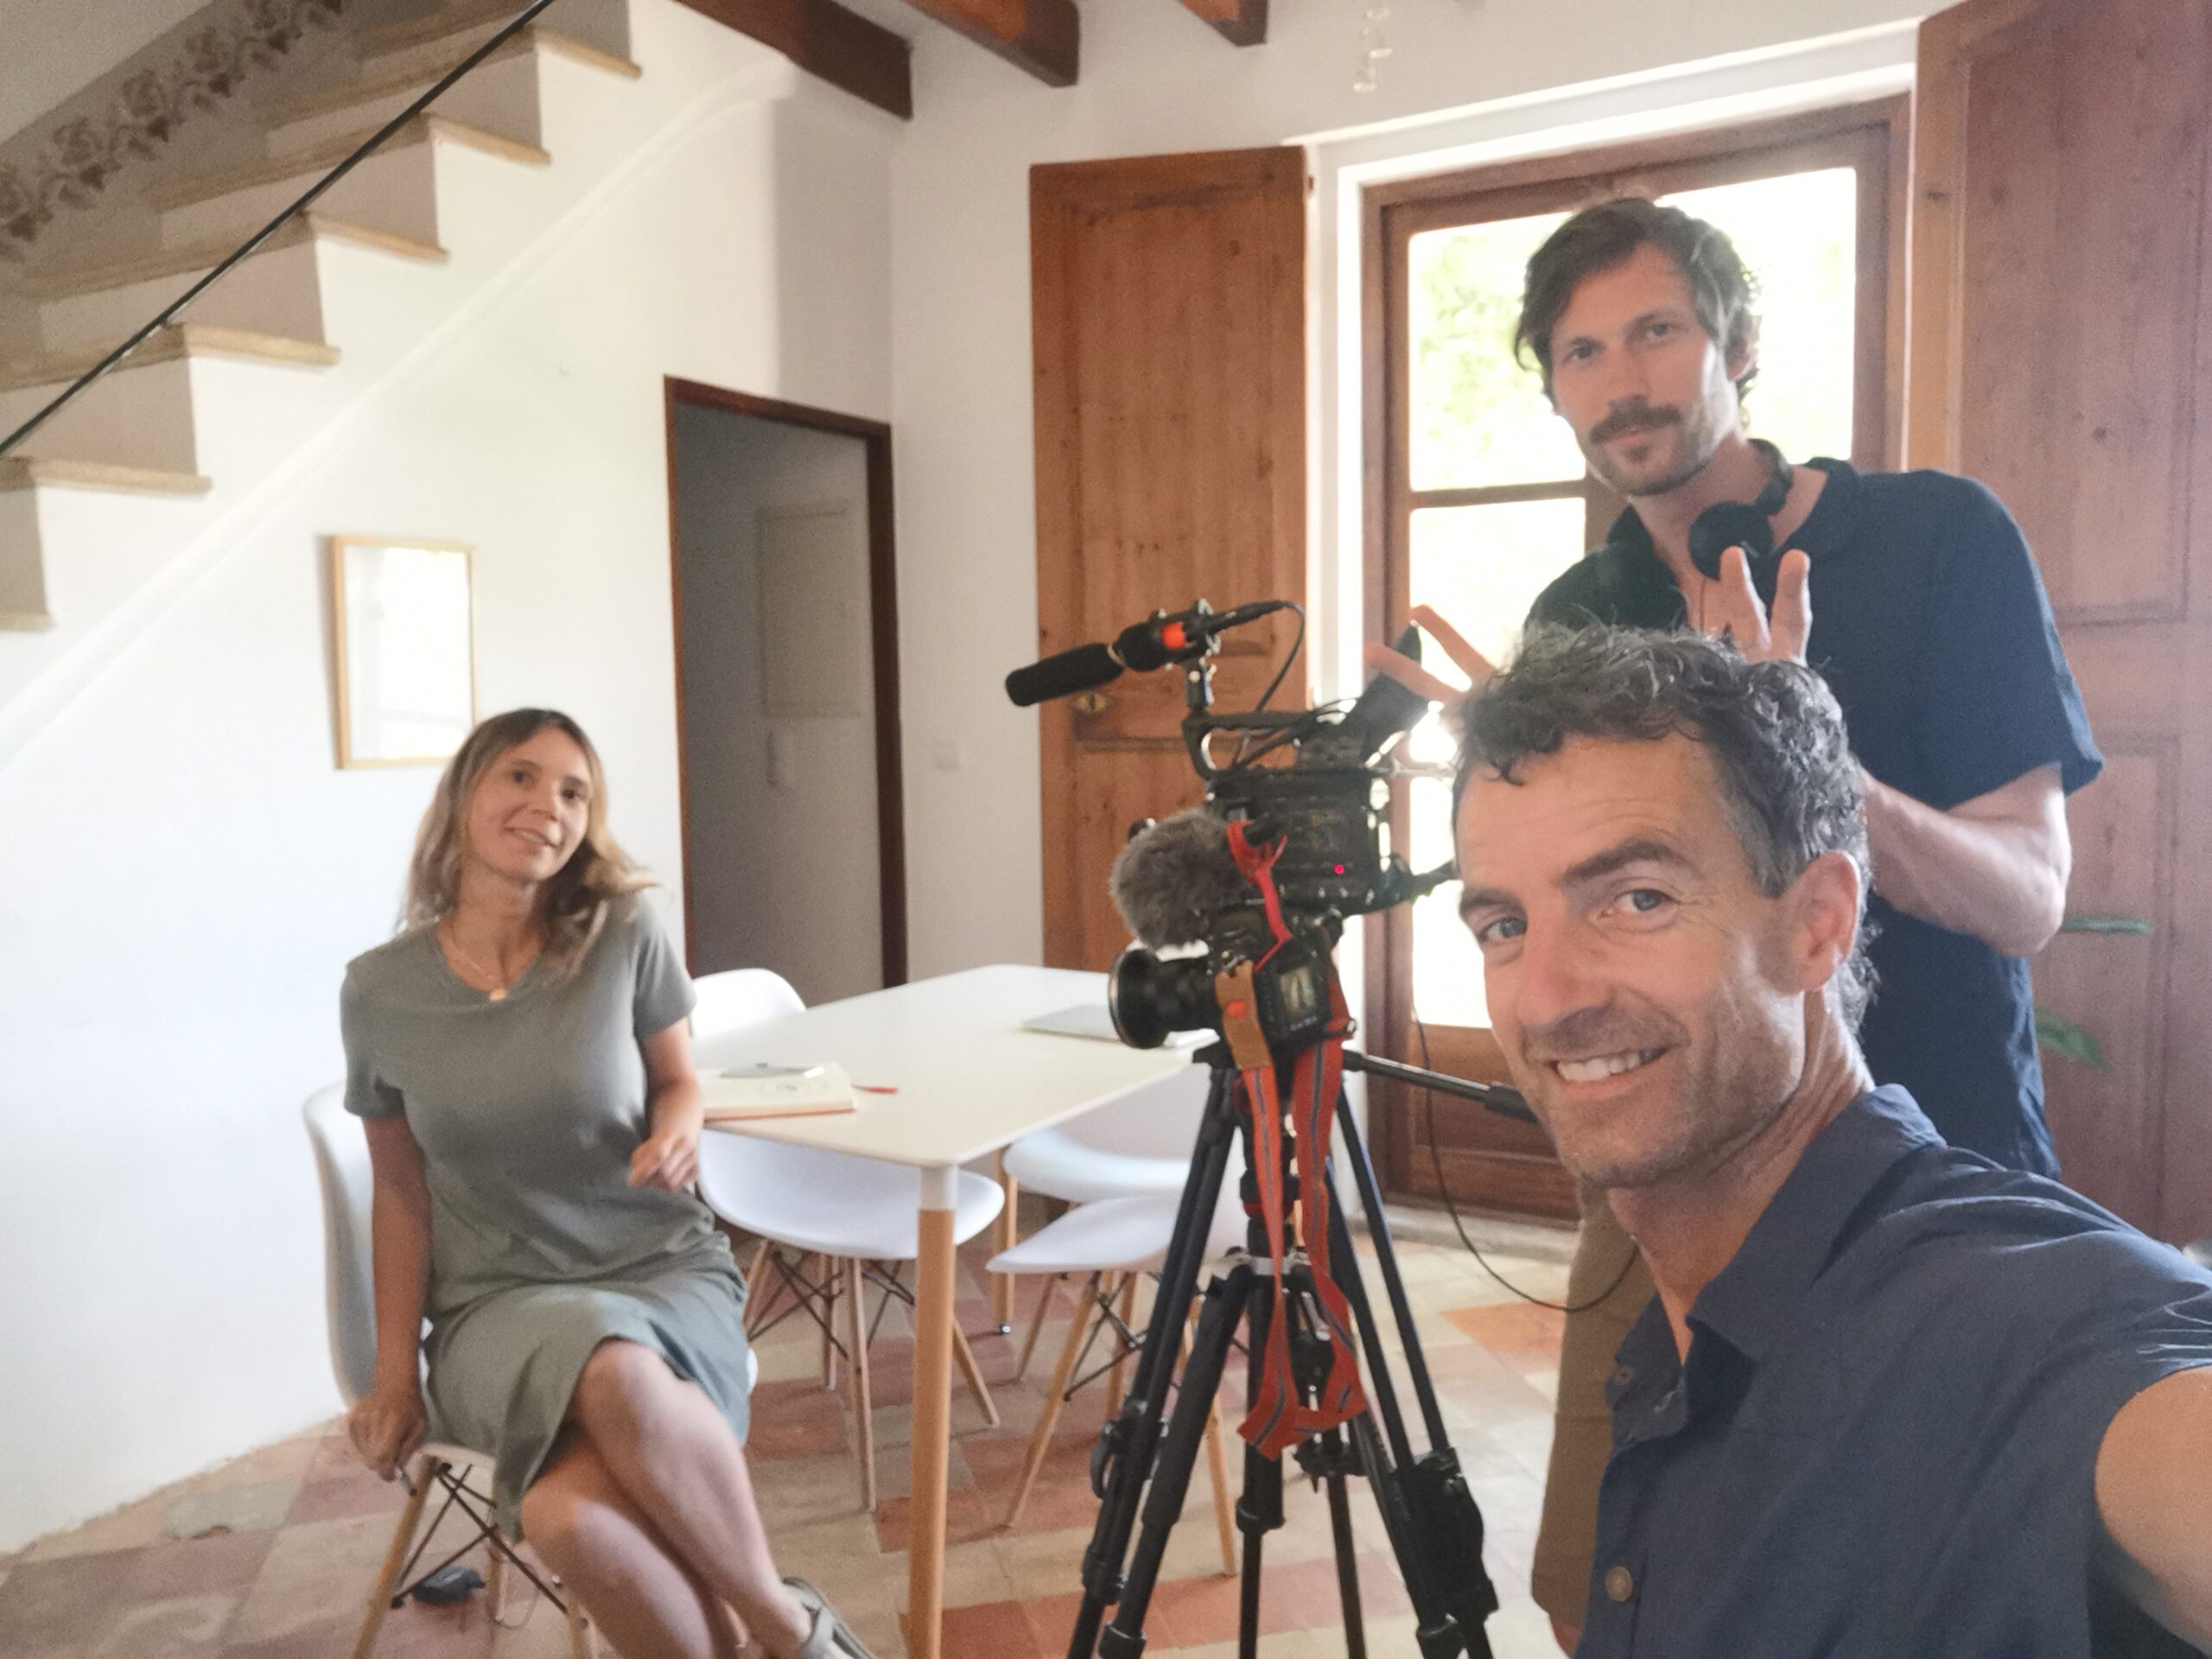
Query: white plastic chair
[(341, 1161), (1140, 1145), (859, 1218), (1116, 1242), (738, 997)]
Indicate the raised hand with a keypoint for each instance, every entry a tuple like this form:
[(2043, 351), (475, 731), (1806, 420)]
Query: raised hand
[(1735, 608), (1381, 659)]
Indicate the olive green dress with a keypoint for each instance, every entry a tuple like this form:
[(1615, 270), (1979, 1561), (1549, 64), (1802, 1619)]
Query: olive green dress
[(527, 1110)]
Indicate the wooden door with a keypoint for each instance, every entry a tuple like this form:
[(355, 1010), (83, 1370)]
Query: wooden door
[(1169, 299), (2059, 350)]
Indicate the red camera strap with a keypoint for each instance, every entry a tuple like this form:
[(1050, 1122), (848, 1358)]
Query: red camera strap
[(1279, 1417)]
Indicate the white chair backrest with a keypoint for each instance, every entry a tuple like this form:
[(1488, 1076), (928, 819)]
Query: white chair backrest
[(738, 997), (341, 1161), (1158, 1121)]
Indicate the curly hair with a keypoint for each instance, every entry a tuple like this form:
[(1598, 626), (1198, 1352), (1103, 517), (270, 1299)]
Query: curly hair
[(1772, 731), (576, 901), (1599, 238)]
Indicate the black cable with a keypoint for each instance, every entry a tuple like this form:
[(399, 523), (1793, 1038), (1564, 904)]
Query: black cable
[(1296, 641), (1436, 1162)]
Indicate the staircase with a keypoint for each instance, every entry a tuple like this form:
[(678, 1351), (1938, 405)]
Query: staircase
[(109, 498)]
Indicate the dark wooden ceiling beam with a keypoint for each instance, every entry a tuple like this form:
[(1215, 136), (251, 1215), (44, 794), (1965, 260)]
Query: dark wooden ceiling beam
[(1039, 35), (1240, 23), (823, 38)]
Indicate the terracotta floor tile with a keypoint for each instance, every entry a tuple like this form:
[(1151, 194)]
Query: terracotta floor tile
[(56, 1604), (996, 1629), (223, 1561), (176, 1627), (1514, 1330)]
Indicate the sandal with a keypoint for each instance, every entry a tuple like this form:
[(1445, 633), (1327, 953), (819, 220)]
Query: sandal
[(827, 1637)]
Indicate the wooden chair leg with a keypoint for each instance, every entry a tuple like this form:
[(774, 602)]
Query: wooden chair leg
[(1041, 1439), (395, 1557), (974, 1373), (1008, 1236), (833, 1285), (495, 1581), (759, 1295), (1037, 1324), (863, 1408), (1118, 1381), (581, 1643)]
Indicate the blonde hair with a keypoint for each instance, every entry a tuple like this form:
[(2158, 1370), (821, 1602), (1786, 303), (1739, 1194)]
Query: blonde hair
[(576, 902)]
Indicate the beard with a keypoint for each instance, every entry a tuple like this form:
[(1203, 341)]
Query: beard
[(1678, 444), (1687, 1117)]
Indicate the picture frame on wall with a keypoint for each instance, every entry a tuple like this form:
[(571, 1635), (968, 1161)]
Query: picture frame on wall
[(404, 628)]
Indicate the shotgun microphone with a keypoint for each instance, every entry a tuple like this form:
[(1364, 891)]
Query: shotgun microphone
[(1160, 639), (1062, 675)]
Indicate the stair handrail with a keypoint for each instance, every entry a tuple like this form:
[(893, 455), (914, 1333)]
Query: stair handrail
[(391, 129)]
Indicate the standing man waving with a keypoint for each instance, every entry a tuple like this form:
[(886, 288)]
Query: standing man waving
[(1915, 596)]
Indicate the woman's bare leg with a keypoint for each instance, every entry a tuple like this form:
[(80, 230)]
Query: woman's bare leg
[(673, 1456), (649, 1604)]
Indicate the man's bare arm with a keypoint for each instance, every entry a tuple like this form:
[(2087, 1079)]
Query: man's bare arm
[(2154, 1494), (1994, 867)]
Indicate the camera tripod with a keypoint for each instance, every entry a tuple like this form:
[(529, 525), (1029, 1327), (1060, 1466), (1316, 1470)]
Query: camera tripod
[(1435, 1530)]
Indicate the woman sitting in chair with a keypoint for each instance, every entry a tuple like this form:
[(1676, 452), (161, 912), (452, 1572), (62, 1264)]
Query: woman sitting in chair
[(520, 1055)]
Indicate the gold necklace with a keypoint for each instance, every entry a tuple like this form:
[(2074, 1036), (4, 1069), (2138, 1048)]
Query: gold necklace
[(499, 991)]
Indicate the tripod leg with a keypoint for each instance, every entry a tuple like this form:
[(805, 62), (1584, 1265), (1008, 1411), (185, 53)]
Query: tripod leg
[(1347, 1568), (1259, 1509), (1224, 1306), (1123, 1461), (1386, 1258), (1218, 1476)]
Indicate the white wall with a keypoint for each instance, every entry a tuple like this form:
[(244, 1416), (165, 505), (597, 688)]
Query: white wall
[(187, 870), (1156, 80), (784, 871)]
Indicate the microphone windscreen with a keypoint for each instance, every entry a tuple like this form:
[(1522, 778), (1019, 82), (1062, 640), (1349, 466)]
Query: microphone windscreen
[(1061, 675), (1171, 882)]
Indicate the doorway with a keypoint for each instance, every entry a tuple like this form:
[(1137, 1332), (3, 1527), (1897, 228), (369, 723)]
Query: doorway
[(787, 692)]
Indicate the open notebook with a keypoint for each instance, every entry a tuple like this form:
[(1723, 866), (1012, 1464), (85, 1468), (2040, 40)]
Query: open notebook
[(776, 1091)]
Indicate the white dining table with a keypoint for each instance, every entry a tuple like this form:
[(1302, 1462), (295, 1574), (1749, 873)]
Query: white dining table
[(969, 1082)]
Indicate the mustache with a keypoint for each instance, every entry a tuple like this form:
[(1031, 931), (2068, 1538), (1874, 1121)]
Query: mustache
[(1634, 417), (1589, 1032)]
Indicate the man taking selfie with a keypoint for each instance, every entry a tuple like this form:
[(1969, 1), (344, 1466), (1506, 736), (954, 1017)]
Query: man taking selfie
[(1892, 1398)]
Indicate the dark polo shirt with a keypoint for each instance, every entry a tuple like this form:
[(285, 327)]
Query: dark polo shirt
[(1931, 625), (1883, 1444)]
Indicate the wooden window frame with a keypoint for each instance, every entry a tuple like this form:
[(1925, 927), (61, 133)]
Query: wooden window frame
[(1872, 137)]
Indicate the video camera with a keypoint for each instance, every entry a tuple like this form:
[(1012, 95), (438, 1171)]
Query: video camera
[(1314, 780)]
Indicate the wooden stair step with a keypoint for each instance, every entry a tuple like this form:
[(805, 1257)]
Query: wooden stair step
[(536, 38), (178, 340), (435, 26), (38, 472), (317, 158), (66, 282)]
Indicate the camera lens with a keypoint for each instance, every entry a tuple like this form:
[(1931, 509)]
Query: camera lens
[(1150, 999)]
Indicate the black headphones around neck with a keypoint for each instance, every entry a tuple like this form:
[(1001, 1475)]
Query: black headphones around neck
[(1747, 524)]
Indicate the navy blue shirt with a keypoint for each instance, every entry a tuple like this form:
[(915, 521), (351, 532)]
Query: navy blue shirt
[(1931, 625), (1884, 1440)]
